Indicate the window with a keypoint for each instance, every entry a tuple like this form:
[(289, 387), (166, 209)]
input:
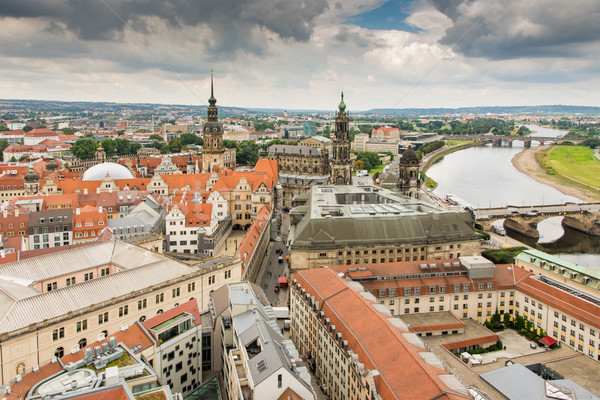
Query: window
[(81, 325), (392, 293), (191, 287), (70, 281), (51, 286), (58, 334), (59, 352), (102, 318), (407, 291), (227, 274), (141, 304), (88, 277), (279, 380), (432, 308), (456, 288), (123, 311), (175, 292), (211, 279), (160, 298), (480, 286), (82, 343), (431, 299)]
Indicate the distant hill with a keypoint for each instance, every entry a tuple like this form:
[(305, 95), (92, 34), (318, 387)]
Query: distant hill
[(536, 110)]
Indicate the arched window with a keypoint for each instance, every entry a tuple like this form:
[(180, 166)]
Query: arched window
[(82, 343), (105, 333), (159, 311), (59, 352), (142, 318)]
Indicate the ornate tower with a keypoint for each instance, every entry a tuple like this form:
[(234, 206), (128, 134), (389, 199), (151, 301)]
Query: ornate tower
[(409, 180), (212, 151), (340, 161), (31, 182)]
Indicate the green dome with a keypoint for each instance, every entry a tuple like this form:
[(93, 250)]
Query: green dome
[(342, 105)]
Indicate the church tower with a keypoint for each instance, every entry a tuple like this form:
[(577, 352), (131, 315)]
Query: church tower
[(212, 151), (340, 162), (409, 181)]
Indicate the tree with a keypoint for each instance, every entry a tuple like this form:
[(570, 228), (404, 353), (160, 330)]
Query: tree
[(4, 128), (247, 153), (230, 144), (109, 147), (122, 147), (189, 138), (84, 149), (27, 128), (68, 131), (3, 146), (175, 145), (156, 137), (358, 165)]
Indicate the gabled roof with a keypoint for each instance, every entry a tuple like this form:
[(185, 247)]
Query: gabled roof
[(190, 307)]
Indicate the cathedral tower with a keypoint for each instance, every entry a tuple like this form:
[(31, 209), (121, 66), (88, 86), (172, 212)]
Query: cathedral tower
[(409, 181), (212, 151), (340, 163)]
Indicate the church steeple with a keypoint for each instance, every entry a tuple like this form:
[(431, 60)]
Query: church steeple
[(212, 110)]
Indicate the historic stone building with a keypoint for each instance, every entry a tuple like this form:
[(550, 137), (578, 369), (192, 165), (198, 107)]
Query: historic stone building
[(300, 167), (409, 180), (341, 167), (213, 153), (339, 224)]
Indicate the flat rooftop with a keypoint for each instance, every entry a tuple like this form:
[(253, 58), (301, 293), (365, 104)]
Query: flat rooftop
[(431, 320)]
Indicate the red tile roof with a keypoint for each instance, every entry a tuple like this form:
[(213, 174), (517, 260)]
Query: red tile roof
[(190, 307), (379, 345), (250, 240)]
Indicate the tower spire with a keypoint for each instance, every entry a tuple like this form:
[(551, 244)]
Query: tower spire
[(212, 99)]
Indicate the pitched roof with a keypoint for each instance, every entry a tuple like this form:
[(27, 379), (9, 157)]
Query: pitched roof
[(190, 307), (376, 337)]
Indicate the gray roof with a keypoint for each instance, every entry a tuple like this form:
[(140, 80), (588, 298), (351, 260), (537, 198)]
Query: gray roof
[(289, 149), (149, 269), (251, 326), (517, 382), (333, 218), (66, 262), (140, 218)]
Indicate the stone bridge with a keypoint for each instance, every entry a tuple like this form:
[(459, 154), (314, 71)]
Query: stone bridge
[(498, 141), (584, 217)]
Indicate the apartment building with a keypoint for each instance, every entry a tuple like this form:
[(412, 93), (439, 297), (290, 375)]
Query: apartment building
[(50, 228), (473, 287), (256, 361), (88, 223), (52, 302), (357, 348)]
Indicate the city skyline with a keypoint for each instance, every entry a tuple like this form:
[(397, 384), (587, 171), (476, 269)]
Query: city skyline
[(299, 55)]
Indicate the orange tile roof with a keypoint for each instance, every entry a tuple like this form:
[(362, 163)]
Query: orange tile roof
[(250, 240), (190, 307), (196, 214), (379, 344), (576, 307), (114, 393), (19, 390)]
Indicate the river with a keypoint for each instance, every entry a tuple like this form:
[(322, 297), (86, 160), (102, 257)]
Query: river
[(485, 177)]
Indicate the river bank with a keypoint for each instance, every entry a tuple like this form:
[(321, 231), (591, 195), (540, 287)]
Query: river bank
[(526, 162)]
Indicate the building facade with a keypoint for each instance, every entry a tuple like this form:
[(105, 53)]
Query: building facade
[(409, 179)]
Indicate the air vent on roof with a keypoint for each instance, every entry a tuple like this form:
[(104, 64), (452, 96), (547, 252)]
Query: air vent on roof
[(262, 366)]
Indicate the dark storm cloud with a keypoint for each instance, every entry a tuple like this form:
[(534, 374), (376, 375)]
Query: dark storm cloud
[(515, 29), (96, 19)]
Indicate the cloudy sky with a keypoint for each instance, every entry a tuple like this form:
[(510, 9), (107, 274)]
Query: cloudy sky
[(301, 53)]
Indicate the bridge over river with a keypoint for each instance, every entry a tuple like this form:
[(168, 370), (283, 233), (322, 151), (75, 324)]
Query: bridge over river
[(584, 217), (497, 140)]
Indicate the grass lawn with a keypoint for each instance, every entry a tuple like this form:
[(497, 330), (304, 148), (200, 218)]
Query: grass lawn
[(455, 142), (378, 168), (576, 162)]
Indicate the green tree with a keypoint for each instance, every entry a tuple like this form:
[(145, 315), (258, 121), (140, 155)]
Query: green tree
[(122, 147), (247, 153), (156, 137), (4, 128), (68, 131), (84, 149), (230, 144), (3, 146), (23, 157), (190, 138), (175, 145), (109, 147), (27, 128)]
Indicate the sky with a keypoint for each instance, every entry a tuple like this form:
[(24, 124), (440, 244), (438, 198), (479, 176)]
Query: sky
[(300, 54)]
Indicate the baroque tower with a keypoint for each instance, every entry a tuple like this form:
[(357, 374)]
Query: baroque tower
[(212, 151), (409, 180), (340, 163)]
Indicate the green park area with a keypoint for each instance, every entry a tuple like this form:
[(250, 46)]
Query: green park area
[(577, 163)]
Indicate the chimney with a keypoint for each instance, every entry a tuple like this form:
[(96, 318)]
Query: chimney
[(85, 191)]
